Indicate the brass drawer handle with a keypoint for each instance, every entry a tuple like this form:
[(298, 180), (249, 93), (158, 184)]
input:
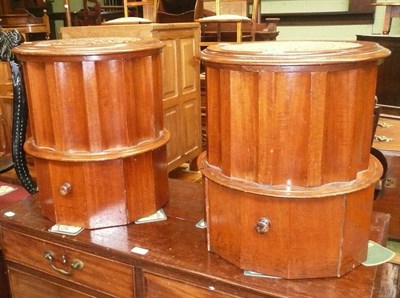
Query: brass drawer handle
[(75, 265)]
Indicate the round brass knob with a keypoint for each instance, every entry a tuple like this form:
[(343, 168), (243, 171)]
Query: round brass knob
[(262, 226), (65, 189)]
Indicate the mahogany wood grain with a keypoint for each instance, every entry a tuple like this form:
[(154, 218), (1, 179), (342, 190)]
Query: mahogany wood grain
[(118, 278), (289, 136), (308, 237), (158, 286), (23, 283), (178, 255), (97, 128), (7, 199), (270, 113), (180, 83), (4, 286)]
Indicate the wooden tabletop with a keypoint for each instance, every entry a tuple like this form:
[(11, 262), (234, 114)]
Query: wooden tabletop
[(178, 247)]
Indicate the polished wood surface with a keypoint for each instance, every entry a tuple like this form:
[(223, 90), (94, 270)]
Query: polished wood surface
[(115, 273), (181, 84), (295, 106), (289, 127), (96, 112), (16, 193), (177, 264)]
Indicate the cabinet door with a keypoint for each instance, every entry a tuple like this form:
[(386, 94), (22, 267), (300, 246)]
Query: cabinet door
[(181, 95)]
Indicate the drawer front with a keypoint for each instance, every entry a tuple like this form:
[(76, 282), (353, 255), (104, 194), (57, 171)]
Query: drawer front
[(161, 287), (22, 283), (97, 273)]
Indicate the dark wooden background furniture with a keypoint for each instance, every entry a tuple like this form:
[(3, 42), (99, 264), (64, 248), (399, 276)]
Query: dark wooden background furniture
[(388, 200), (388, 86), (172, 11), (32, 27), (177, 263)]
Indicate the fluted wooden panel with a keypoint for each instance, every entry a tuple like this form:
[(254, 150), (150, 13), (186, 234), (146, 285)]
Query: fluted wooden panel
[(95, 105), (295, 128)]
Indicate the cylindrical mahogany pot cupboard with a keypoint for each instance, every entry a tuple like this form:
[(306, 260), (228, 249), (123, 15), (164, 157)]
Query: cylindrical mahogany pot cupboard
[(289, 179), (98, 140)]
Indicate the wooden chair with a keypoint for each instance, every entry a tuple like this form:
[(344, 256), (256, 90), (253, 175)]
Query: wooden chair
[(392, 10), (215, 15), (231, 20), (176, 11), (148, 12), (26, 23), (89, 15), (112, 9), (149, 8)]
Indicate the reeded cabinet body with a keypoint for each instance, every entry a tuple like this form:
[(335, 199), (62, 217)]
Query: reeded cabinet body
[(289, 177), (97, 129), (181, 84)]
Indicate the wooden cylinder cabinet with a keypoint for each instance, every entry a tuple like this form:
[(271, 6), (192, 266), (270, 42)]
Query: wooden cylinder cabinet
[(288, 174), (98, 140)]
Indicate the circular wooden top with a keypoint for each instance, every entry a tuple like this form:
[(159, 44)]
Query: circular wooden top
[(293, 52), (90, 48)]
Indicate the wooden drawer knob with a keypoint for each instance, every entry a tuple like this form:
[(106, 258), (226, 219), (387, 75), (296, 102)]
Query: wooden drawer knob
[(65, 189), (262, 226)]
